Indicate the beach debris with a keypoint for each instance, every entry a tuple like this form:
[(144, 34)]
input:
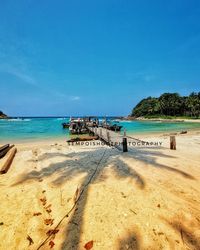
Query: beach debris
[(51, 244), (44, 201), (76, 195), (48, 221), (30, 240), (37, 214), (158, 205), (89, 245), (1, 223), (123, 195), (52, 232), (48, 209), (132, 211), (4, 149), (183, 132), (8, 161), (43, 191)]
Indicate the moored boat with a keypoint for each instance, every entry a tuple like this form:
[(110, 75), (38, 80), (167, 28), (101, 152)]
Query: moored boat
[(65, 125), (78, 126)]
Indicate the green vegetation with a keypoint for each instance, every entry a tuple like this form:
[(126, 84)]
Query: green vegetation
[(169, 105)]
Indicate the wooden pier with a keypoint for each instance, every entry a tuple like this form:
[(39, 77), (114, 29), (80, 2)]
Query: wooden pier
[(120, 141)]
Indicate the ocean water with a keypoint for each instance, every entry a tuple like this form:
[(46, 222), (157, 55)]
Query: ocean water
[(32, 129), (25, 129)]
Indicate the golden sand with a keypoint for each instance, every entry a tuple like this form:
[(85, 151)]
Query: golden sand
[(147, 198)]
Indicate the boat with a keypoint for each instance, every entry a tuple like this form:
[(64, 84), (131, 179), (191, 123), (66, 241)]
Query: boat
[(91, 121), (78, 126), (65, 125), (113, 127)]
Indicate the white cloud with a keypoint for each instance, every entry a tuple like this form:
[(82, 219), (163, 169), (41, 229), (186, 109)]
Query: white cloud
[(75, 98), (18, 73)]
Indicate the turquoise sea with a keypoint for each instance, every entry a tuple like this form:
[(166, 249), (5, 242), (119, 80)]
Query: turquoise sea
[(25, 129)]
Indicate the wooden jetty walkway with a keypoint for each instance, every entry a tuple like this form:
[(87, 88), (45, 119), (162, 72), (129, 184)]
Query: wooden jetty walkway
[(113, 138)]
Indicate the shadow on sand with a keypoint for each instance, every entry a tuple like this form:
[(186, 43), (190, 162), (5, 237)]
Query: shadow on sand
[(80, 162)]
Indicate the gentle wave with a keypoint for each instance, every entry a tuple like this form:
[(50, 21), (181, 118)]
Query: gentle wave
[(61, 119), (18, 120)]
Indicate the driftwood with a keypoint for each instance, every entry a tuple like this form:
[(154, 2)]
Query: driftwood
[(173, 142), (4, 146), (5, 149), (183, 132), (83, 138), (8, 161)]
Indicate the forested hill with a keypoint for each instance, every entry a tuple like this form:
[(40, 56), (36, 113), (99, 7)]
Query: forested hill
[(169, 104)]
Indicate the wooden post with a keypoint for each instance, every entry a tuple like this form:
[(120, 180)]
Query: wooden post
[(124, 144), (95, 130), (173, 142), (124, 132), (108, 136), (100, 132)]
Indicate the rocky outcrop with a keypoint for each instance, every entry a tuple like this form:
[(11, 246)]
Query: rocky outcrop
[(3, 116)]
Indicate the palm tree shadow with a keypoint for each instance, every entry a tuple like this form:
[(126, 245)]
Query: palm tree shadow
[(86, 163), (73, 230), (147, 156), (187, 235)]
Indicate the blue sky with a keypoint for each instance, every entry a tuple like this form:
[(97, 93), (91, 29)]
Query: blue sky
[(95, 57)]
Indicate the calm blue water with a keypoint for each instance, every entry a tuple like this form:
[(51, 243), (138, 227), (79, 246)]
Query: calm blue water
[(49, 128)]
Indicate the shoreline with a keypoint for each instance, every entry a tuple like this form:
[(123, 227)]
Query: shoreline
[(61, 140), (162, 119)]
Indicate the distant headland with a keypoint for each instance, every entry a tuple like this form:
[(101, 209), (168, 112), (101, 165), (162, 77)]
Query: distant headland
[(3, 116), (168, 106)]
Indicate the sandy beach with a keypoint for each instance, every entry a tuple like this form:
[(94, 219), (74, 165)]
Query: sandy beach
[(62, 197)]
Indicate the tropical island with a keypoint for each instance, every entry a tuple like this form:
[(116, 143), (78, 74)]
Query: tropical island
[(2, 115), (168, 106)]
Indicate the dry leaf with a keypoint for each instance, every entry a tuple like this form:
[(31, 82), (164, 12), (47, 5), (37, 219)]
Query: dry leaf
[(52, 231), (51, 244), (37, 214), (48, 211), (89, 245), (30, 240), (44, 201), (48, 222)]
